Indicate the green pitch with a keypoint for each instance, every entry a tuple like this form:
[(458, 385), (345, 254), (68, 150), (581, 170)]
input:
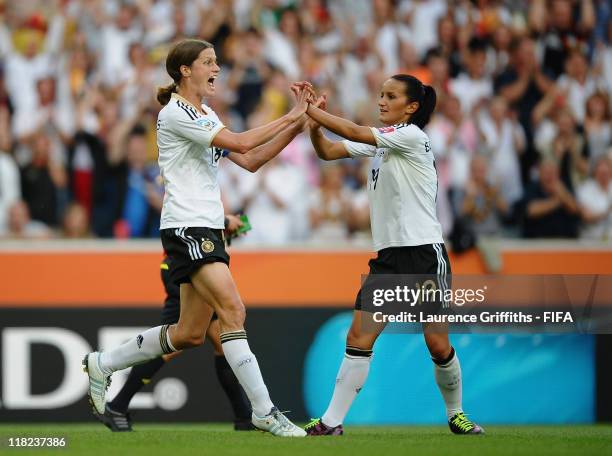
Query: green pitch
[(217, 439)]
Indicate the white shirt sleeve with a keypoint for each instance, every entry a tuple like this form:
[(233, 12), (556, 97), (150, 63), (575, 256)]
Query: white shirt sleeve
[(401, 138), (357, 149), (201, 130)]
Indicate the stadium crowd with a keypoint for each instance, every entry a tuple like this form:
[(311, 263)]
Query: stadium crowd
[(522, 131)]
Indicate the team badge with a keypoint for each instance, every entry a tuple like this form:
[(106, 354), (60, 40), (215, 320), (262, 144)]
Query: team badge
[(206, 124), (207, 245), (386, 129)]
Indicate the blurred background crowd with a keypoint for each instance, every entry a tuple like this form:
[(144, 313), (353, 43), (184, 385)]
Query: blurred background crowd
[(522, 131)]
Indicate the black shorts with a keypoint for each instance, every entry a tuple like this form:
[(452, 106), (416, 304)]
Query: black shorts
[(190, 248), (427, 259), (172, 304)]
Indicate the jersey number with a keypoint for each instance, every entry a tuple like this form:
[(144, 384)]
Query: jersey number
[(375, 174), (217, 152)]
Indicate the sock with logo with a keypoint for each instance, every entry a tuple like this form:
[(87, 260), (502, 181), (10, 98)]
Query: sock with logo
[(245, 367), (233, 390), (351, 377), (448, 379), (149, 344)]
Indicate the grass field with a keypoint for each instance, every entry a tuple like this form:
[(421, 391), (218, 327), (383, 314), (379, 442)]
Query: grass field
[(217, 439)]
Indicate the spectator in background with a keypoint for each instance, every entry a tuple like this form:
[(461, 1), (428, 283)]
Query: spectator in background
[(21, 226), (39, 47), (482, 206), (449, 44), (504, 142), (139, 188), (473, 86), (281, 45), (500, 51), (423, 17), (597, 127), (385, 32), (75, 224), (52, 114), (559, 31), (578, 84), (42, 182), (595, 199), (454, 141), (561, 142), (116, 35), (437, 66), (248, 72), (550, 208), (359, 209), (523, 83), (330, 206), (10, 186), (269, 198)]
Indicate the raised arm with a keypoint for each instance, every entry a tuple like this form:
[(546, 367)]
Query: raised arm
[(260, 155), (250, 139), (342, 127), (326, 149)]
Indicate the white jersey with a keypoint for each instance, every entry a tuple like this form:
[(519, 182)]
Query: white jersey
[(189, 165), (402, 187)]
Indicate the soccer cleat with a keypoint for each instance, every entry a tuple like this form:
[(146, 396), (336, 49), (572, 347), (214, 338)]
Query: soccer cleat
[(317, 427), (460, 424), (115, 421), (98, 382), (277, 424)]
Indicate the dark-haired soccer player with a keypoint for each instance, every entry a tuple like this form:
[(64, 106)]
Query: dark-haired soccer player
[(402, 187)]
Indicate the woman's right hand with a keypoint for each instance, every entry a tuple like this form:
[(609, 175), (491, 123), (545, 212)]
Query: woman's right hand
[(304, 95), (321, 103)]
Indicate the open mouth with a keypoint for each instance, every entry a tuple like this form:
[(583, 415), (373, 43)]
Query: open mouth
[(211, 82)]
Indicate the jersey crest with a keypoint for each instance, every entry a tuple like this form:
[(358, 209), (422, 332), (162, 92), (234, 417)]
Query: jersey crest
[(384, 130), (205, 123)]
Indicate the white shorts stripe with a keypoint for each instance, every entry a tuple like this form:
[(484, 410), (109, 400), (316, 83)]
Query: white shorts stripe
[(192, 253), (196, 247), (442, 270)]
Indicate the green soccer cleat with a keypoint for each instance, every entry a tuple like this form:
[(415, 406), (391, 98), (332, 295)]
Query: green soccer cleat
[(460, 424)]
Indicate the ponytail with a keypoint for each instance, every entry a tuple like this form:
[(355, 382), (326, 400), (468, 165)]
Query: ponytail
[(426, 107), (423, 94), (164, 93)]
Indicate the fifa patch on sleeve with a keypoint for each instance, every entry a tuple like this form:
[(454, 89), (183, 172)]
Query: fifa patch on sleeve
[(384, 130), (206, 124)]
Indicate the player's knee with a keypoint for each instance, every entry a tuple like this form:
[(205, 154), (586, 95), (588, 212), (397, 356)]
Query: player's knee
[(194, 340), (355, 338), (439, 348), (188, 339), (233, 314)]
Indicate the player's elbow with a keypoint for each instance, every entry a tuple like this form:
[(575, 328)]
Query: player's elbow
[(242, 148), (252, 167)]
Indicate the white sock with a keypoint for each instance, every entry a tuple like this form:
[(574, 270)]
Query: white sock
[(351, 377), (244, 364), (448, 378), (150, 344)]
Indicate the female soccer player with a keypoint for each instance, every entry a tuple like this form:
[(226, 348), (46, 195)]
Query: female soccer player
[(402, 188), (116, 416), (191, 140)]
